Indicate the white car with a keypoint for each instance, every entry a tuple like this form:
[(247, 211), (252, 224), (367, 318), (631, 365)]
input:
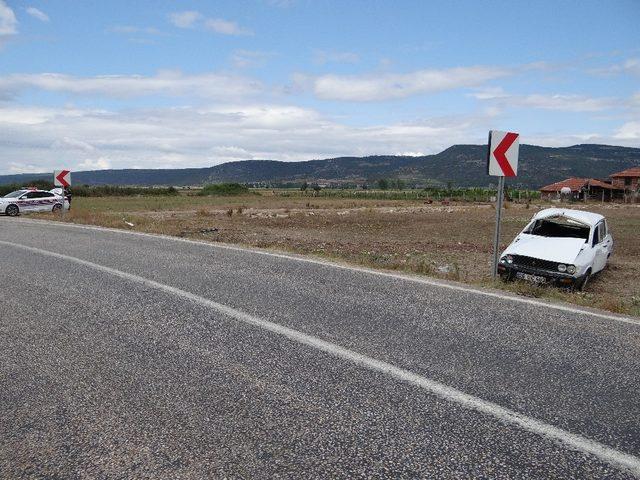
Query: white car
[(559, 245), (31, 200)]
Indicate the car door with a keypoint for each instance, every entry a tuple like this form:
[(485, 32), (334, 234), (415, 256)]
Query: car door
[(608, 238), (46, 201), (600, 248), (28, 202)]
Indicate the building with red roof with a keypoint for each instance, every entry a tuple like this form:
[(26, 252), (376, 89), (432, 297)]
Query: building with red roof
[(627, 180), (581, 188)]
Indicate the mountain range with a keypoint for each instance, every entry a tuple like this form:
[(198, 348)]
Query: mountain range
[(459, 165)]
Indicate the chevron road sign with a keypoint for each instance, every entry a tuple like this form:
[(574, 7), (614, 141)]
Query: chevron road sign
[(503, 153), (62, 178)]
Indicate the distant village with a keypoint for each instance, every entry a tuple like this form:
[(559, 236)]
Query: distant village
[(623, 186), (620, 186)]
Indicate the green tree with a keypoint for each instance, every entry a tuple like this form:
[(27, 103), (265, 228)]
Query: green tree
[(383, 184), (397, 184)]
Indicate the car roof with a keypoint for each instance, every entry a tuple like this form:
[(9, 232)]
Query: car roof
[(588, 218)]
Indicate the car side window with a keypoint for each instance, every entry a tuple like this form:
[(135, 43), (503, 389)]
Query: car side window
[(32, 195), (601, 232), (596, 236), (46, 195)]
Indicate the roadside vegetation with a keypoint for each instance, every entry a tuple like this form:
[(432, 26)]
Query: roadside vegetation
[(41, 184), (433, 194), (450, 238), (224, 189), (94, 190)]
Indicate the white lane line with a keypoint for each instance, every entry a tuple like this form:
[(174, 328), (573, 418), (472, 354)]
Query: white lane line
[(326, 263), (604, 453)]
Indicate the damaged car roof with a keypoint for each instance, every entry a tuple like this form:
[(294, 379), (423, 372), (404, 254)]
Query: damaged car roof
[(588, 218)]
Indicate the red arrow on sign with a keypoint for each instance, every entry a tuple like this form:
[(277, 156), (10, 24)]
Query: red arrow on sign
[(62, 178), (500, 154)]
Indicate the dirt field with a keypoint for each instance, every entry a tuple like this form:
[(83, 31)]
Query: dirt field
[(453, 241)]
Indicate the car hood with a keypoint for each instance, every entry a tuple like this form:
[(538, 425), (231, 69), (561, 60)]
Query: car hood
[(562, 250)]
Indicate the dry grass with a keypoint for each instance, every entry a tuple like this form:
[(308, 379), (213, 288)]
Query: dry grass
[(446, 241)]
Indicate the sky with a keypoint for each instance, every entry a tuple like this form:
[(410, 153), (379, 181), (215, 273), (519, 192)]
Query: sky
[(94, 84)]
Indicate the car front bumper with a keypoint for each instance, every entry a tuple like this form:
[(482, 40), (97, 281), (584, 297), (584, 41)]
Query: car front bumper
[(511, 270)]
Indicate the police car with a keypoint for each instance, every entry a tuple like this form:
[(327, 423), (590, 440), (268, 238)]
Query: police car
[(29, 200)]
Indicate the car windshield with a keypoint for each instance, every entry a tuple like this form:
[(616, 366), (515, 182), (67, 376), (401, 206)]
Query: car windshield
[(559, 227), (15, 194)]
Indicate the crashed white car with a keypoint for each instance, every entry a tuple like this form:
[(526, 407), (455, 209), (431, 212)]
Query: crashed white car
[(559, 245), (31, 200)]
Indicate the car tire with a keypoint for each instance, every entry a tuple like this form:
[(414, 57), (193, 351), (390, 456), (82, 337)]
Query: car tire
[(56, 208), (12, 211), (585, 281), (507, 277)]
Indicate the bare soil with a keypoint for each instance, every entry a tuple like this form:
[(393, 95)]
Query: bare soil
[(452, 241)]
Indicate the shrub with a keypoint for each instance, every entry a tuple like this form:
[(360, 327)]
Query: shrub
[(224, 189)]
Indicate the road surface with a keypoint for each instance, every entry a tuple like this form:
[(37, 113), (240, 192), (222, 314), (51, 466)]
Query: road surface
[(134, 356)]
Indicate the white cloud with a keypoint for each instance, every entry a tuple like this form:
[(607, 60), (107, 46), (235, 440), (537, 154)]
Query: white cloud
[(225, 27), (15, 168), (67, 143), (633, 66), (35, 115), (208, 135), (410, 154), (322, 57), (629, 131), (368, 88), (557, 139), (8, 22), (208, 85), (192, 18), (100, 163), (39, 14), (629, 66), (189, 136), (185, 19), (250, 58), (566, 103)]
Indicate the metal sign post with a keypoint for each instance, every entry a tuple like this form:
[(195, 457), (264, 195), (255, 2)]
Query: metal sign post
[(496, 238), (502, 161)]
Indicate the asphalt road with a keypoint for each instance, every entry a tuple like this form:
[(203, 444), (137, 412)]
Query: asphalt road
[(132, 356)]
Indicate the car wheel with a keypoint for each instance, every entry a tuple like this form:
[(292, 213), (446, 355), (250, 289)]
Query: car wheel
[(12, 210), (585, 281), (507, 277), (57, 207)]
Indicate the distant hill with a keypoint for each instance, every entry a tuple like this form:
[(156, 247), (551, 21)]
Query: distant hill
[(460, 165)]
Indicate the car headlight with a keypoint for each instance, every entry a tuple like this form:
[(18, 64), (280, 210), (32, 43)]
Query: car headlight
[(506, 259), (562, 267), (571, 269)]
